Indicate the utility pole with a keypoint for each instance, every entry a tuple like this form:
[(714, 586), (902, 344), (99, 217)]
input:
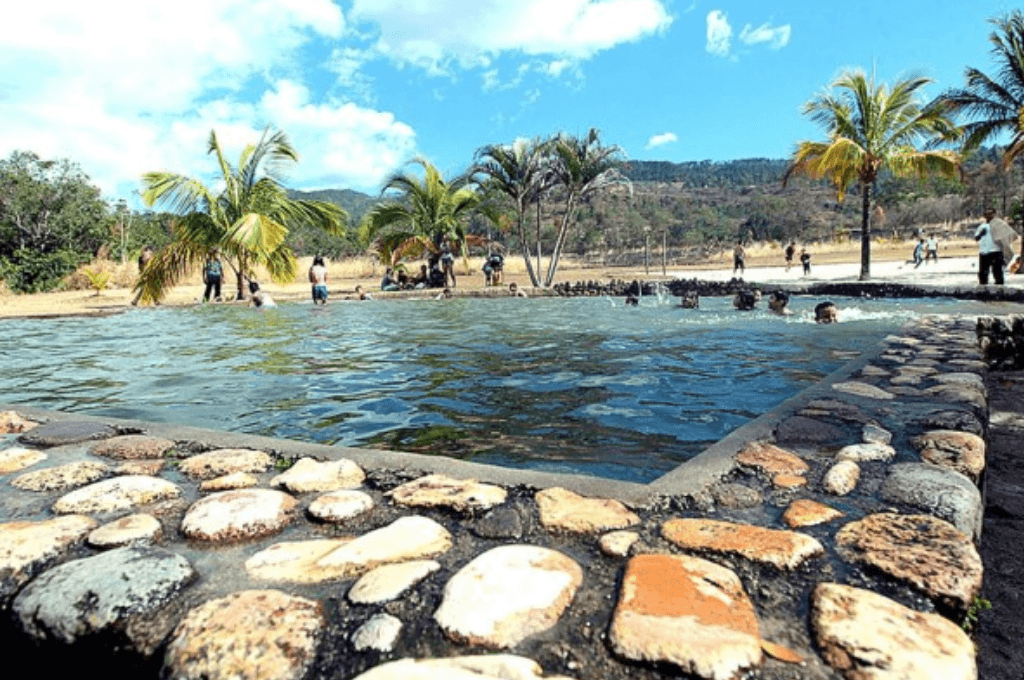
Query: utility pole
[(647, 245)]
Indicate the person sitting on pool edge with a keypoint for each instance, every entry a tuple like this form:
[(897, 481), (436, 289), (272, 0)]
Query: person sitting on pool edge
[(516, 291), (258, 298)]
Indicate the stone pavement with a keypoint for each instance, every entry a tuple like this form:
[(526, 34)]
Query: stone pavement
[(839, 541)]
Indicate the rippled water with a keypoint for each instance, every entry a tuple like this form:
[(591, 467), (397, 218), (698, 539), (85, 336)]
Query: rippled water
[(582, 385)]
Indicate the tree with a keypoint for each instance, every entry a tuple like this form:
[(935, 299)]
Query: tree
[(582, 167), (995, 105), (871, 127), (428, 212), (521, 172), (247, 220), (52, 219)]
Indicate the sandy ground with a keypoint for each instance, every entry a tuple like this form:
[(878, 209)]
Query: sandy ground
[(957, 265)]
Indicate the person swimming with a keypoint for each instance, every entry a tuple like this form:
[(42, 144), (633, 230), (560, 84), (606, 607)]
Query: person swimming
[(259, 298)]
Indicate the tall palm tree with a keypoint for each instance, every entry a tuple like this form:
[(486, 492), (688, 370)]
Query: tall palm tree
[(994, 106), (247, 221), (520, 171), (583, 165), (871, 127), (429, 211)]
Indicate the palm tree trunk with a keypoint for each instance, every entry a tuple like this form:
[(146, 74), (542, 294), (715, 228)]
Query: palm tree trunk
[(865, 231), (526, 247), (538, 236), (559, 242)]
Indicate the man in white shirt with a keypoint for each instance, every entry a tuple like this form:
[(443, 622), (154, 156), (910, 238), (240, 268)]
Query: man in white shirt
[(990, 252)]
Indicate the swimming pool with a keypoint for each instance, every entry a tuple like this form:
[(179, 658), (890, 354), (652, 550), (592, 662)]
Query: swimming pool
[(583, 385)]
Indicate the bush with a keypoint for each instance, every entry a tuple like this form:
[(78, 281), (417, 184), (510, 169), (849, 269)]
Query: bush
[(28, 271)]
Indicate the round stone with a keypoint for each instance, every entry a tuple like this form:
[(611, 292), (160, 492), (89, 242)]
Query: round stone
[(238, 515), (138, 529)]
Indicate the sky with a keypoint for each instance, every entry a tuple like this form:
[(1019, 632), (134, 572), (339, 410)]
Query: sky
[(362, 87)]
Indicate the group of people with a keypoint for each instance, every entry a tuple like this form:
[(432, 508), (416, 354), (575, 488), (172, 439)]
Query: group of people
[(805, 258), (926, 250)]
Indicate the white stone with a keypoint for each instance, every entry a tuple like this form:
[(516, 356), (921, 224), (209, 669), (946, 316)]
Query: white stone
[(484, 667), (18, 458), (841, 478), (860, 389), (117, 494), (866, 452), (508, 594), (441, 491), (138, 529), (388, 582), (407, 538), (309, 475), (295, 561), (338, 506), (239, 514), (380, 633)]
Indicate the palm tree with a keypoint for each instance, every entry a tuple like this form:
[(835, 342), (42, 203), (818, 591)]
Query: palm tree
[(995, 105), (871, 127), (429, 212), (520, 171), (582, 167), (247, 221)]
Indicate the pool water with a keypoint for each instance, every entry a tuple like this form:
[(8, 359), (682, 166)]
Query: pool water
[(582, 385)]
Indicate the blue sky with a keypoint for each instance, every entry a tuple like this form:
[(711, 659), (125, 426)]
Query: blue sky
[(363, 86)]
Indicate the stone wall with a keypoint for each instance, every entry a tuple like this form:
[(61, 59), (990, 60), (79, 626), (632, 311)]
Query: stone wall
[(845, 520)]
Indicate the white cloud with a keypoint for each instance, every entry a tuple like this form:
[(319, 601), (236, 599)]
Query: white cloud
[(126, 87), (719, 34), (777, 38), (437, 34), (661, 140)]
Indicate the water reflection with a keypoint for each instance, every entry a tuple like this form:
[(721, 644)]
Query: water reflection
[(571, 385)]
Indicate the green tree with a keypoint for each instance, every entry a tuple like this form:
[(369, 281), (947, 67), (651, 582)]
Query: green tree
[(52, 219), (248, 220), (521, 172), (871, 127), (994, 106), (582, 166), (427, 212)]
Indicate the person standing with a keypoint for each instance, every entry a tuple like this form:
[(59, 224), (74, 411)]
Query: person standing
[(790, 252), (213, 273), (932, 250), (318, 277), (919, 253), (990, 252), (448, 263), (805, 260), (738, 257)]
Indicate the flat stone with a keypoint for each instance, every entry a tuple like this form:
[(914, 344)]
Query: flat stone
[(732, 495), (859, 389), (686, 611), (866, 452), (138, 529), (563, 510), (339, 506), (961, 451), (789, 482), (489, 667), (407, 538), (938, 491), (781, 549), (263, 634), (962, 394), (437, 491), (873, 433), (132, 447), (898, 340), (62, 432), (106, 593), (235, 480), (867, 636), (874, 372), (804, 430), (27, 548), (508, 594), (296, 561), (841, 478), (115, 495), (11, 422), (149, 468), (618, 543), (807, 513), (379, 633), (18, 458), (239, 515), (922, 550), (968, 379), (771, 459), (62, 477), (388, 582), (836, 408), (220, 462), (952, 420), (312, 476)]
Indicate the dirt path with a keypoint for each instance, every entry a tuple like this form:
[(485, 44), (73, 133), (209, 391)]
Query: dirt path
[(1001, 629)]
